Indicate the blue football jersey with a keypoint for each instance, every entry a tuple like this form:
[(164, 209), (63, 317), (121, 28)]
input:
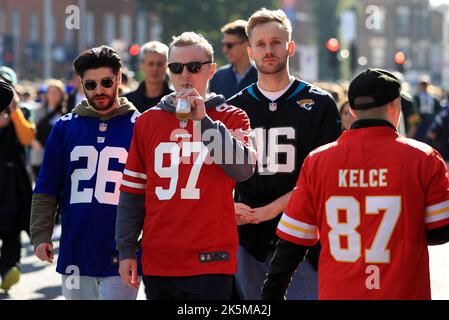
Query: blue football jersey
[(82, 167)]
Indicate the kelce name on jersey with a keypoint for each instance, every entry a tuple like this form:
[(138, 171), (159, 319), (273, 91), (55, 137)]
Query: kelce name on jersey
[(360, 178)]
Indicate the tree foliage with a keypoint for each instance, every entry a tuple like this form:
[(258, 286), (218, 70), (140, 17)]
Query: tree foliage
[(203, 16)]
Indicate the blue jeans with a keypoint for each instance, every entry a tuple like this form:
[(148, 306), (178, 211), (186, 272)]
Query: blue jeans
[(251, 275), (97, 288)]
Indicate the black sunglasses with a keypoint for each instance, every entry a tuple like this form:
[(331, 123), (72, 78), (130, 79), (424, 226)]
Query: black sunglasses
[(105, 83), (192, 67), (230, 45)]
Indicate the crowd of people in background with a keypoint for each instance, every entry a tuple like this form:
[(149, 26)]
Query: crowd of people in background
[(424, 106)]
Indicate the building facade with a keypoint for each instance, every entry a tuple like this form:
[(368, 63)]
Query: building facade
[(39, 38)]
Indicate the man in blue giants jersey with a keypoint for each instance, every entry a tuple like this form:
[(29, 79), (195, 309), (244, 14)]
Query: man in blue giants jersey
[(81, 172)]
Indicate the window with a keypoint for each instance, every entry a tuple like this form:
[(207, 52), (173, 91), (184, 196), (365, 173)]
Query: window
[(109, 28), (141, 28), (424, 24), (52, 29), (402, 20), (2, 22), (378, 57), (155, 28), (378, 50), (125, 28), (68, 36), (15, 24), (90, 29), (34, 28)]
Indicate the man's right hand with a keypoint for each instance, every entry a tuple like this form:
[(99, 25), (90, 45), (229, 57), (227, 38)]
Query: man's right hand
[(128, 272), (44, 252), (241, 213)]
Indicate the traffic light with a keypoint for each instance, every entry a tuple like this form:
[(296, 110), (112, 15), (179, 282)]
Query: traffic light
[(8, 51), (333, 49), (134, 51), (400, 58)]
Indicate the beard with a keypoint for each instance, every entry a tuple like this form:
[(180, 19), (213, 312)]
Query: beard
[(106, 103), (278, 67)]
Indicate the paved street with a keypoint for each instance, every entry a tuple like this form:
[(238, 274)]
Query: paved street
[(39, 280)]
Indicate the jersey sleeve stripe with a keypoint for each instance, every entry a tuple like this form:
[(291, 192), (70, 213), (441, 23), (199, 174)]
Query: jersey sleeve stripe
[(300, 241), (133, 185), (438, 206), (438, 217), (295, 233), (437, 212), (135, 174), (299, 224), (293, 227)]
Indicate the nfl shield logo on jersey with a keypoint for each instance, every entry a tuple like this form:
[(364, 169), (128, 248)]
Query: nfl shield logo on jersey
[(103, 127), (273, 106)]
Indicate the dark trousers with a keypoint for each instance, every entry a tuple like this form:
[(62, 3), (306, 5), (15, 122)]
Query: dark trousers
[(201, 287), (10, 252)]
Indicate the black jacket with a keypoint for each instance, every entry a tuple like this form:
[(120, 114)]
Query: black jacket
[(15, 184), (139, 99)]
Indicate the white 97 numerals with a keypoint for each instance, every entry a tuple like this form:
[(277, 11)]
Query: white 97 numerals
[(172, 172), (378, 253)]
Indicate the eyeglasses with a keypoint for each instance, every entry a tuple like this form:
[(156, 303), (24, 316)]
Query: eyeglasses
[(230, 45), (105, 83), (192, 67)]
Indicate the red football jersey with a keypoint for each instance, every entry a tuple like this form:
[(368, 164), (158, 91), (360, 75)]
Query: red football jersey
[(369, 198), (190, 226)]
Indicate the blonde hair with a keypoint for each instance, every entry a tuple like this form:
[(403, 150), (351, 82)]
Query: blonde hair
[(192, 38), (58, 84), (154, 47), (264, 15)]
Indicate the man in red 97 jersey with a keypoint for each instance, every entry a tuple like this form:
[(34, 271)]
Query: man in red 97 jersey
[(178, 182), (373, 198)]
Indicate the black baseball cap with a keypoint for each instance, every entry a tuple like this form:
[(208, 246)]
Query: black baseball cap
[(373, 88)]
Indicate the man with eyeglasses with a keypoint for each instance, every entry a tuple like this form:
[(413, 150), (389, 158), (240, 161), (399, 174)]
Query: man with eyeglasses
[(153, 64), (81, 171), (178, 182), (240, 72)]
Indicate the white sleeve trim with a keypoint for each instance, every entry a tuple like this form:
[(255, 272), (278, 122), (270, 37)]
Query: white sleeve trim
[(135, 174)]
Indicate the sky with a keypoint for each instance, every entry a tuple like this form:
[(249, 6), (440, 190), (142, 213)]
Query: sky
[(438, 2)]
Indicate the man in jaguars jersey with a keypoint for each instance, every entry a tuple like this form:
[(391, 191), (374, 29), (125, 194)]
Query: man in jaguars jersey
[(81, 172), (289, 118)]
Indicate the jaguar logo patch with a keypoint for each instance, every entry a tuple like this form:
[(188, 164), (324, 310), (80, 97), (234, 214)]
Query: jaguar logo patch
[(306, 104)]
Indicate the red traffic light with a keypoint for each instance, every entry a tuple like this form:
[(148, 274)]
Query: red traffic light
[(400, 57), (134, 50), (333, 45)]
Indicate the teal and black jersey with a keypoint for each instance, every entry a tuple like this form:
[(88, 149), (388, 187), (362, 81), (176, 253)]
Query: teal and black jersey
[(82, 167), (284, 132)]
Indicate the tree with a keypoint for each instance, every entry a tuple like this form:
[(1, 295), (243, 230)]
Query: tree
[(202, 16)]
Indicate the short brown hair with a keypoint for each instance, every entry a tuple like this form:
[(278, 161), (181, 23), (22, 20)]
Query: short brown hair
[(154, 47), (192, 38), (264, 15), (237, 28), (99, 57)]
